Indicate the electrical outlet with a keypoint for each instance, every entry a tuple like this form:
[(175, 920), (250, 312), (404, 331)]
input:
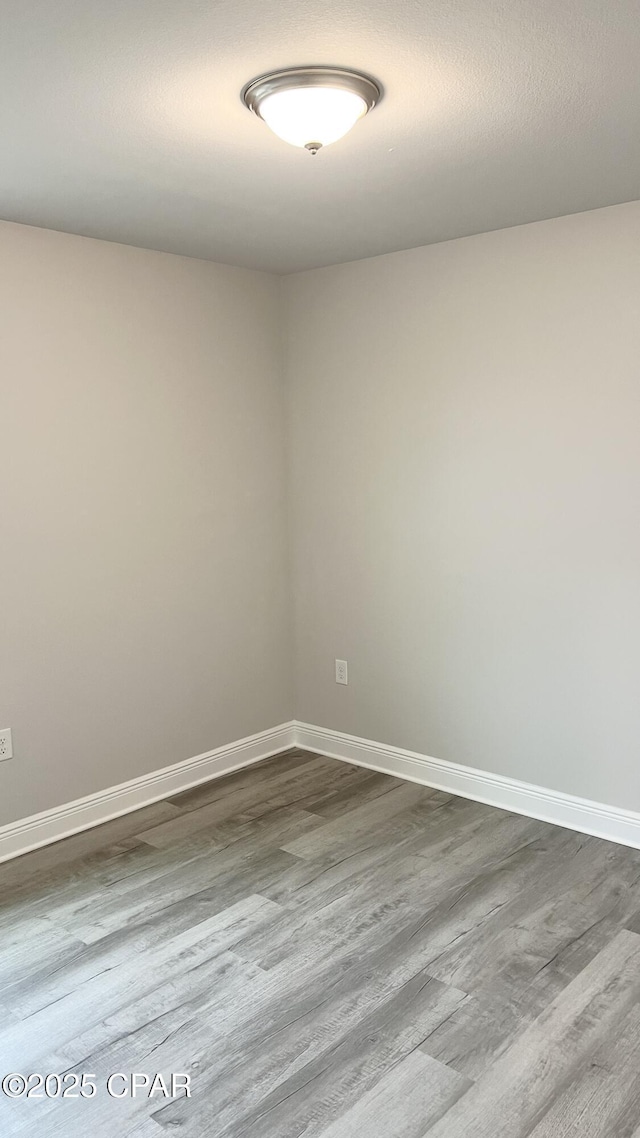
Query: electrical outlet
[(341, 672), (6, 748)]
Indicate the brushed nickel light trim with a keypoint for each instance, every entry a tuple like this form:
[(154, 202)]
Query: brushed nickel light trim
[(294, 78)]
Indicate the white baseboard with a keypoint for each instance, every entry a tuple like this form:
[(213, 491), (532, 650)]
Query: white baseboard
[(62, 821), (610, 822)]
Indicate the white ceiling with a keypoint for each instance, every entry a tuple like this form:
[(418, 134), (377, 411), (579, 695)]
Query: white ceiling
[(122, 119)]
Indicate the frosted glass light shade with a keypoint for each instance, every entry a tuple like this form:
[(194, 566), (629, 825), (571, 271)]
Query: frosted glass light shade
[(311, 106), (306, 116)]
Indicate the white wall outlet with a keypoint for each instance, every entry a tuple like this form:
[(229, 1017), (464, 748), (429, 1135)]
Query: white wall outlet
[(6, 746), (342, 675)]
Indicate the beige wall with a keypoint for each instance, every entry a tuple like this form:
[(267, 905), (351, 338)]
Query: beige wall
[(143, 592), (464, 497), (466, 500)]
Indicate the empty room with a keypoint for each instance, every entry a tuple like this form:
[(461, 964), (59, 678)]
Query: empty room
[(319, 569)]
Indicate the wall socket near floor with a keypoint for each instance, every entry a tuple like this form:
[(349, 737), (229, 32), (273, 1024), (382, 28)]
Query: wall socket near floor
[(6, 746), (342, 675)]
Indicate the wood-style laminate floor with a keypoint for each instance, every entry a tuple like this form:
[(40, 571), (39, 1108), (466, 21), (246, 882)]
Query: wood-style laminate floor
[(326, 952)]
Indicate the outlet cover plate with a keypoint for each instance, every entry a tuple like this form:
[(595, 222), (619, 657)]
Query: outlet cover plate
[(6, 746)]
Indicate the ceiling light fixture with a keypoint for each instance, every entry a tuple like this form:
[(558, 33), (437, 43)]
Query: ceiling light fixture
[(311, 106)]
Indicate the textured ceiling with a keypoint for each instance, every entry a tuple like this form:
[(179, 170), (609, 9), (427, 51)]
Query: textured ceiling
[(122, 119)]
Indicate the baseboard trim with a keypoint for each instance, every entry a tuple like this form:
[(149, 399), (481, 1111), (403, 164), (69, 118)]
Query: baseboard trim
[(609, 822), (63, 821)]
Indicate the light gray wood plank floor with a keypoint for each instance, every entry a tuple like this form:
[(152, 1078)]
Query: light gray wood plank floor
[(327, 952)]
